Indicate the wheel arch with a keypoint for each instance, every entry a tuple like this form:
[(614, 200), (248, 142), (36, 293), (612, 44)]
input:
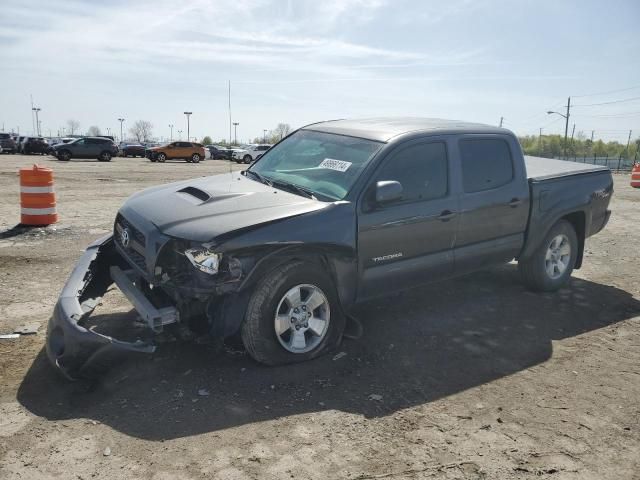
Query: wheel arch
[(339, 262), (578, 220)]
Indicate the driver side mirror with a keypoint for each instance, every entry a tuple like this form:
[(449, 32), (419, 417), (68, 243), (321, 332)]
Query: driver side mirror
[(388, 191)]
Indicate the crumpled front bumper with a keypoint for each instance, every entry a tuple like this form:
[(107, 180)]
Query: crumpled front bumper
[(74, 350)]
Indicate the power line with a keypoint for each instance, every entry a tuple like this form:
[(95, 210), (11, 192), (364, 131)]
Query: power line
[(612, 115), (608, 103), (608, 92)]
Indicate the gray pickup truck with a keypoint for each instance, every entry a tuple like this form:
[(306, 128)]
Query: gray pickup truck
[(336, 213)]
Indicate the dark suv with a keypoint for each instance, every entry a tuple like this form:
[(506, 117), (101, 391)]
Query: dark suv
[(7, 143), (88, 147), (33, 145)]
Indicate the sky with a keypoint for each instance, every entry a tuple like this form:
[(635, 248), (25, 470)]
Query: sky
[(302, 61)]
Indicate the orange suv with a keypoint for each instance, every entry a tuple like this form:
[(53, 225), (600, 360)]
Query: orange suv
[(191, 152)]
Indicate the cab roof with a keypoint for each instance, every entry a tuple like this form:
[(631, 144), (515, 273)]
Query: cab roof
[(383, 129)]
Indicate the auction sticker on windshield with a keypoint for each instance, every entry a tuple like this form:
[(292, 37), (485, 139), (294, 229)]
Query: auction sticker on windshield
[(333, 164)]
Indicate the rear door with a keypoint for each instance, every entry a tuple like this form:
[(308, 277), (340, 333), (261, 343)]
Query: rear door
[(494, 202), (410, 241)]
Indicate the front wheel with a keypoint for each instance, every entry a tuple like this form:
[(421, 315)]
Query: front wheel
[(161, 158), (64, 155), (550, 267), (105, 157), (293, 315), (247, 159)]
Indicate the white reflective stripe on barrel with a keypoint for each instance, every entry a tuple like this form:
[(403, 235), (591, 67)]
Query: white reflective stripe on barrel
[(48, 189), (38, 211)]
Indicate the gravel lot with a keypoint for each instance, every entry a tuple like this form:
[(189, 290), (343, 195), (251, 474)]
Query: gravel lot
[(470, 378)]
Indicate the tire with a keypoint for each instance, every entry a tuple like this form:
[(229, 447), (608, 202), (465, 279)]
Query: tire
[(153, 160), (550, 266), (258, 332), (161, 157), (195, 158), (64, 155), (247, 159), (104, 157)]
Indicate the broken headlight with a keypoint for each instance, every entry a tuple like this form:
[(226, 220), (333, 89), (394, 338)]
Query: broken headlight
[(204, 260)]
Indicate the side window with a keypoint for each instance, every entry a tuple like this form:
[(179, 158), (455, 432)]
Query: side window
[(486, 164), (421, 170), (81, 142)]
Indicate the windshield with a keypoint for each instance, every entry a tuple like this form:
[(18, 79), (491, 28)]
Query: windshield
[(323, 163)]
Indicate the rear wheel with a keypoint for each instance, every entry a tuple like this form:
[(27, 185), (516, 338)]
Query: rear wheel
[(550, 267), (195, 158), (293, 315)]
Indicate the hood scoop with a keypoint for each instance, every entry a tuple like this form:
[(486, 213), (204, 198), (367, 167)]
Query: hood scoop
[(196, 192)]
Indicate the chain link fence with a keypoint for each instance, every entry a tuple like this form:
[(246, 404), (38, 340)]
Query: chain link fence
[(616, 164)]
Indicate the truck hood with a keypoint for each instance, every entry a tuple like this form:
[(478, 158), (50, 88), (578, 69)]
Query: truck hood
[(204, 208)]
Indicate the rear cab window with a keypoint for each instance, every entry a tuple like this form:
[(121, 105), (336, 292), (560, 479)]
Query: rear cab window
[(487, 164)]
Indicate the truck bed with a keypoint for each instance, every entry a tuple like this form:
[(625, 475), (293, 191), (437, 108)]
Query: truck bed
[(539, 168)]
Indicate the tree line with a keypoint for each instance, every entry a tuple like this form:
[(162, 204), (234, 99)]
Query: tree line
[(553, 146)]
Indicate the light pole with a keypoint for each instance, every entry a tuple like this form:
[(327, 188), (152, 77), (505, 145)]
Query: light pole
[(188, 114), (171, 137), (179, 134), (566, 124), (264, 136), (121, 120), (37, 109), (235, 132), (108, 131)]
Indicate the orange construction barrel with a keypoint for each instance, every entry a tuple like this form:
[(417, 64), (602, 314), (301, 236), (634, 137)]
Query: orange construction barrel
[(635, 175), (37, 197)]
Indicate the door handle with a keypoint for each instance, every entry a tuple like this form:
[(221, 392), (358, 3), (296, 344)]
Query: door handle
[(446, 215), (515, 202)]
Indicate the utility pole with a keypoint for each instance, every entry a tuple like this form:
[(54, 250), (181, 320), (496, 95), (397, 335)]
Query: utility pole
[(230, 112), (171, 137), (235, 133), (32, 117), (628, 142), (37, 129), (566, 126), (264, 136), (188, 114), (121, 120), (572, 132), (501, 119), (540, 142)]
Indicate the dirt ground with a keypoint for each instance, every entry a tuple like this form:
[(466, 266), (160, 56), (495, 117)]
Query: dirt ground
[(470, 378)]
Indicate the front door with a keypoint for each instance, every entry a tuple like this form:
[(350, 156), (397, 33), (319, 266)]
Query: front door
[(409, 241)]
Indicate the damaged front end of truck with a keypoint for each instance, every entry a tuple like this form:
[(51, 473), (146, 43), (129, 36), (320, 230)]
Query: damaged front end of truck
[(187, 287)]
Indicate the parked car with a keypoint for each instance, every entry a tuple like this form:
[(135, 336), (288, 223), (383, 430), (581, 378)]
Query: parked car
[(132, 150), (191, 152), (7, 143), (250, 153), (335, 214), (219, 152), (33, 145), (87, 147)]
